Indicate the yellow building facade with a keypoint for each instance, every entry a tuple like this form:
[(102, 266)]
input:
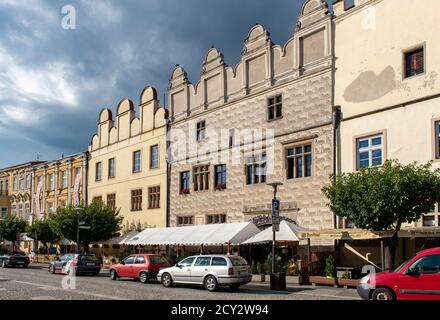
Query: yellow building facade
[(127, 166), (59, 183)]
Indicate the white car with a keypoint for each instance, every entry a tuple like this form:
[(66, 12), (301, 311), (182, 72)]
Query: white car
[(210, 271)]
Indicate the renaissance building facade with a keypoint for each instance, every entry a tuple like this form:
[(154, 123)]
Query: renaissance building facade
[(269, 119), (127, 167)]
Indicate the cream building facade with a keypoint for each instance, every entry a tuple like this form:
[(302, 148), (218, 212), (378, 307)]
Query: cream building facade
[(268, 119), (387, 82), (127, 166), (59, 183)]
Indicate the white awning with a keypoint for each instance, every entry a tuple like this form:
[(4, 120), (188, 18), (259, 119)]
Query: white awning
[(119, 240), (288, 232), (211, 234)]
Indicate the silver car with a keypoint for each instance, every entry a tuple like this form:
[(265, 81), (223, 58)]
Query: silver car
[(210, 271)]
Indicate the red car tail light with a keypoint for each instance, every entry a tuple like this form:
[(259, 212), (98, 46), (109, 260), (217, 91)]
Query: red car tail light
[(231, 271)]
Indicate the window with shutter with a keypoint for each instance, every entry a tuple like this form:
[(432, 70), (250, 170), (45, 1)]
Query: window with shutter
[(414, 62)]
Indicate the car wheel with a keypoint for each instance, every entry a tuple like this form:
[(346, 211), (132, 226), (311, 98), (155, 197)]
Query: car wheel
[(113, 275), (382, 294), (167, 281), (52, 269), (234, 287), (211, 283), (143, 277)]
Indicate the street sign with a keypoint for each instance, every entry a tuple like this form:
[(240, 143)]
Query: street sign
[(85, 227), (81, 223), (275, 208)]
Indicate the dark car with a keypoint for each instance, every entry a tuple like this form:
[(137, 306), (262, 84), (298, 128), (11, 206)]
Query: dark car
[(77, 263), (14, 259)]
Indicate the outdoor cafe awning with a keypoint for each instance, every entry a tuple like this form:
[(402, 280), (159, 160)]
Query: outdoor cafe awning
[(288, 233), (119, 240), (211, 234)]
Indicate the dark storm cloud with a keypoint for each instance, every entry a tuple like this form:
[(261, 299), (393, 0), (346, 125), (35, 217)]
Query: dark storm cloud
[(53, 82)]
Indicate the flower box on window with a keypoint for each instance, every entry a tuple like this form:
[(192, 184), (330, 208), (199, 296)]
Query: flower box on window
[(220, 186), (185, 191)]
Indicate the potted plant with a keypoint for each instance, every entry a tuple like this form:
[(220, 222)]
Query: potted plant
[(185, 191), (329, 272), (330, 267), (220, 186), (261, 271)]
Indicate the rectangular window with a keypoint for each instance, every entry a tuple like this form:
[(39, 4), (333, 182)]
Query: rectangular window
[(21, 184), (185, 221), (28, 181), (369, 152), (136, 200), (111, 168), (231, 137), (51, 182), (27, 211), (201, 128), (220, 177), (154, 198), (216, 218), (185, 186), (274, 108), (429, 221), (20, 211), (437, 139), (299, 161), (97, 199), (50, 207), (63, 203), (3, 213), (154, 157), (14, 210), (63, 179), (111, 200), (414, 62), (98, 171), (256, 169), (201, 178), (15, 184), (136, 161), (77, 171)]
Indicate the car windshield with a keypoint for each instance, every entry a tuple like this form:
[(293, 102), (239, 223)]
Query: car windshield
[(402, 265), (89, 257), (238, 261)]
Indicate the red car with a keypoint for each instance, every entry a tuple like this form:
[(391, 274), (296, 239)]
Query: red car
[(139, 266), (415, 279)]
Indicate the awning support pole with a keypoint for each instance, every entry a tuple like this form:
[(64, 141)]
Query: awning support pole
[(309, 257), (382, 255)]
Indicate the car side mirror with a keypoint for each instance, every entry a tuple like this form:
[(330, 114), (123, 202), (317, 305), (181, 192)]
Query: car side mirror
[(123, 262), (179, 266)]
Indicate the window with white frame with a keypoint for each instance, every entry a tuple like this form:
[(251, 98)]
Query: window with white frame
[(21, 183), (20, 211), (111, 168), (154, 157), (64, 179), (98, 171), (136, 161), (27, 211), (369, 151)]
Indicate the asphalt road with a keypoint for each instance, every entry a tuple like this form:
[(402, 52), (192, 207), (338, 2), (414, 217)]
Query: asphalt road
[(36, 283)]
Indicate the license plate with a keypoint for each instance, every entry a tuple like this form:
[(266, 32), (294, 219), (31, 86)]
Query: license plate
[(20, 262), (242, 272), (90, 264)]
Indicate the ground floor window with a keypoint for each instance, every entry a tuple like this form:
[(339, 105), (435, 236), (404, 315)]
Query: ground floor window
[(216, 218), (185, 221), (136, 200), (369, 151), (3, 213), (97, 199), (111, 200)]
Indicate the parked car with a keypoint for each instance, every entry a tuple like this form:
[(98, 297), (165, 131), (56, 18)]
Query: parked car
[(415, 279), (78, 263), (139, 266), (14, 259), (210, 271)]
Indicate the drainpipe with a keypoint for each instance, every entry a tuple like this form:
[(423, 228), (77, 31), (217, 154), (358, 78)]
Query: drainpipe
[(337, 116)]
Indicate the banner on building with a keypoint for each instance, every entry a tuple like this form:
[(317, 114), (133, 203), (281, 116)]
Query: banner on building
[(37, 200), (76, 190)]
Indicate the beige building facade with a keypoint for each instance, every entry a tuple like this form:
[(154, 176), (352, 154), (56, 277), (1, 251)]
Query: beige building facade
[(268, 119), (59, 183), (127, 166), (387, 82)]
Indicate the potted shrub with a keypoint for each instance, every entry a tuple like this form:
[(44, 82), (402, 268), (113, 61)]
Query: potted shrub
[(220, 186), (261, 271), (330, 274), (185, 191), (330, 267)]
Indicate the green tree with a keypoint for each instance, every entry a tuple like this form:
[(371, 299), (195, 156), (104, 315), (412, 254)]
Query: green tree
[(41, 231), (11, 227), (104, 223), (330, 267), (384, 198)]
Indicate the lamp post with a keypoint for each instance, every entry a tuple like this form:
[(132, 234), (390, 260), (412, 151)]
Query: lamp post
[(78, 211), (275, 218)]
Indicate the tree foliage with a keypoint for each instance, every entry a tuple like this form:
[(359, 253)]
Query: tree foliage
[(41, 231), (104, 223), (380, 199), (11, 227)]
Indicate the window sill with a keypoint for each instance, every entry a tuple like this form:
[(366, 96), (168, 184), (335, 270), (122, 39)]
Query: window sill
[(274, 119), (298, 179), (414, 76)]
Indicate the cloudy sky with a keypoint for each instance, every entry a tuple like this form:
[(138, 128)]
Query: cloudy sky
[(54, 81)]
